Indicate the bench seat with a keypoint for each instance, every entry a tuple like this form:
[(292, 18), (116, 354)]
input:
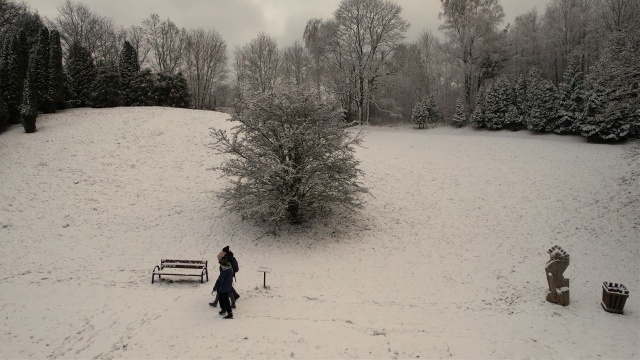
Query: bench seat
[(180, 268)]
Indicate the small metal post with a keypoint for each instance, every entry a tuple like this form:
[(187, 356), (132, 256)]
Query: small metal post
[(264, 271)]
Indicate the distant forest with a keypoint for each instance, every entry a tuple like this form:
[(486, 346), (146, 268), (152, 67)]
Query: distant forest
[(573, 69)]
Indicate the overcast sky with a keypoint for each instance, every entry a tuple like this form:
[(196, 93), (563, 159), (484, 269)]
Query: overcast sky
[(239, 21)]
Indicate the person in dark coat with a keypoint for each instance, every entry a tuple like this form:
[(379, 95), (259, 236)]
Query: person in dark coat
[(228, 255), (224, 287)]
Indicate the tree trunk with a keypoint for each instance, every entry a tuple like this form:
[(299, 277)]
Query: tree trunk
[(293, 209)]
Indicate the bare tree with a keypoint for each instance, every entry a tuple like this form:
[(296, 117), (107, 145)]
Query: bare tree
[(205, 65), (79, 24), (257, 64), (566, 25), (468, 24), (525, 38), (137, 38), (617, 13), (370, 31), (334, 69), (312, 43), (10, 13), (295, 64), (166, 41)]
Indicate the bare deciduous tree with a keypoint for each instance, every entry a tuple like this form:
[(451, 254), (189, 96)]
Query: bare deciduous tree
[(205, 65), (469, 24), (10, 13), (566, 25), (167, 43), (257, 64), (137, 39), (78, 24), (618, 13), (369, 31), (295, 64)]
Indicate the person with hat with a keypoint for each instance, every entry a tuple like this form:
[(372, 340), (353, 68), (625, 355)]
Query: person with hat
[(228, 255), (223, 287)]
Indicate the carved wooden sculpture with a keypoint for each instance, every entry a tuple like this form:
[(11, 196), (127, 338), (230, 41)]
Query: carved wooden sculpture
[(558, 286)]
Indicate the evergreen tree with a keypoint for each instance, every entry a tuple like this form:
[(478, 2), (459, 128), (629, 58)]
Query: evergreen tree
[(478, 119), (179, 95), (420, 113), (613, 105), (56, 73), (496, 104), (128, 67), (106, 87), (542, 99), (143, 89), (512, 118), (29, 107), (432, 110), (4, 115), (12, 77), (42, 84), (82, 73), (572, 98), (518, 112), (459, 118), (425, 112)]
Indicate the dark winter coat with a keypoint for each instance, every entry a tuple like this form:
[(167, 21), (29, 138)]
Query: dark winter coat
[(231, 259), (224, 284)]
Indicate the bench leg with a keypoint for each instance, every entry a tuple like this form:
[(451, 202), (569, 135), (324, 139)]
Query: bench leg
[(153, 276)]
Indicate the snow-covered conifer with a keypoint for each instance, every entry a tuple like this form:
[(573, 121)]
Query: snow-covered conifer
[(459, 118), (12, 77), (106, 87), (129, 67), (4, 114), (82, 73), (518, 112), (56, 73), (42, 85), (478, 119), (572, 98), (542, 100), (613, 105), (420, 113), (143, 89), (425, 112), (29, 106), (496, 104), (171, 90)]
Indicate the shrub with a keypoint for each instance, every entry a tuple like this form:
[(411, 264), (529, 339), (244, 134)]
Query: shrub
[(290, 158)]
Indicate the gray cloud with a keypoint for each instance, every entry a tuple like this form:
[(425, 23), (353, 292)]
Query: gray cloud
[(239, 21)]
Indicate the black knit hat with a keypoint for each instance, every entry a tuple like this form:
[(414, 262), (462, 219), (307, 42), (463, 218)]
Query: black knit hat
[(226, 249)]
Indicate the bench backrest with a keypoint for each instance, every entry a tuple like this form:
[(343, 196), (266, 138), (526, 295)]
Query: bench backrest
[(183, 264)]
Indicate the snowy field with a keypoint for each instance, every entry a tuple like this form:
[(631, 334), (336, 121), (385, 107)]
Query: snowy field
[(446, 260)]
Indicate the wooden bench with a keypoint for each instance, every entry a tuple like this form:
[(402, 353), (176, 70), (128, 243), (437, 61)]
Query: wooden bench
[(180, 264)]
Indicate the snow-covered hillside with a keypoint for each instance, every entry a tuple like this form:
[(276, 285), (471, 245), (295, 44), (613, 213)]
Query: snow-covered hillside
[(446, 260)]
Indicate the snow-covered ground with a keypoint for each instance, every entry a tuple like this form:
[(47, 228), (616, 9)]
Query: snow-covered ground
[(446, 260)]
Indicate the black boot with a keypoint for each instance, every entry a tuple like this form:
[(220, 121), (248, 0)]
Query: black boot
[(229, 316)]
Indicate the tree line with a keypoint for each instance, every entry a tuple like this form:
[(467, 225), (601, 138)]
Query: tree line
[(577, 59)]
